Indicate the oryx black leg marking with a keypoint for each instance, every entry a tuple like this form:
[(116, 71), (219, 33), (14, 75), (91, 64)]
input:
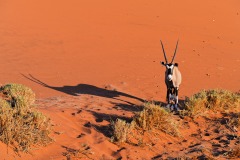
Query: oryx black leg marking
[(168, 92), (176, 99), (176, 94)]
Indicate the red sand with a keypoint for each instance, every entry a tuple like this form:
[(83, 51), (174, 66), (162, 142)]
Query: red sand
[(116, 45)]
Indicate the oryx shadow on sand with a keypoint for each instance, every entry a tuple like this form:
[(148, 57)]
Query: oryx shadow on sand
[(86, 89), (82, 89)]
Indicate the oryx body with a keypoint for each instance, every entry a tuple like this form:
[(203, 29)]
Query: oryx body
[(173, 79)]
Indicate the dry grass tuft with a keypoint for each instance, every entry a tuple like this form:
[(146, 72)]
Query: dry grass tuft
[(156, 117), (152, 118), (215, 100), (20, 125), (121, 130), (19, 96)]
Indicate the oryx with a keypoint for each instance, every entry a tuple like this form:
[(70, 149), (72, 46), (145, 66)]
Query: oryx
[(173, 80)]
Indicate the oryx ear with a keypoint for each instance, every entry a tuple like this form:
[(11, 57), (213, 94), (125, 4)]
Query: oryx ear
[(176, 64), (163, 63)]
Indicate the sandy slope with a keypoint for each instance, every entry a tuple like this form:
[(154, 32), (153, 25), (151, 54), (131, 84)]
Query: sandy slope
[(71, 53)]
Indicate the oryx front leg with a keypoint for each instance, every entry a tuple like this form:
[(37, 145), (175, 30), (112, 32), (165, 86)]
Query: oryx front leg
[(168, 95), (170, 99), (176, 98)]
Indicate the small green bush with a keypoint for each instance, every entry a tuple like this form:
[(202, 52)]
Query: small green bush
[(20, 124)]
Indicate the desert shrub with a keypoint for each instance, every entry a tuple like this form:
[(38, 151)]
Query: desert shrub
[(215, 100), (156, 117), (152, 117), (121, 130), (20, 125), (19, 96)]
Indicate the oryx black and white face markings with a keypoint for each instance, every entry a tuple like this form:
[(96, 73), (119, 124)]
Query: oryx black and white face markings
[(172, 79), (169, 68)]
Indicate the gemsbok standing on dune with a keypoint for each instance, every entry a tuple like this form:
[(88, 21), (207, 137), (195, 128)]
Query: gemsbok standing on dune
[(173, 79)]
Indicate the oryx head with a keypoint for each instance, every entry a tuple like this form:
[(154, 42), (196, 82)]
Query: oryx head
[(171, 65)]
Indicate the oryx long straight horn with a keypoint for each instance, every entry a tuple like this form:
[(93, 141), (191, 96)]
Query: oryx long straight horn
[(175, 52), (164, 52)]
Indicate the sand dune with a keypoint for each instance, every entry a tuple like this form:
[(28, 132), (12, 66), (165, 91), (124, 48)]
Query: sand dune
[(101, 59)]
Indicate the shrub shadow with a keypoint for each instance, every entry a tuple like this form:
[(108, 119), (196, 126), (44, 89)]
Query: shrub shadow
[(107, 130), (181, 103), (127, 107)]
